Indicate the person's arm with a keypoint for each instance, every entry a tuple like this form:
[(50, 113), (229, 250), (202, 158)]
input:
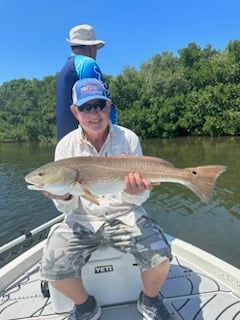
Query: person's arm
[(64, 117)]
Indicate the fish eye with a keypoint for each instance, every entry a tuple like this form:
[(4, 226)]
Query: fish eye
[(40, 174)]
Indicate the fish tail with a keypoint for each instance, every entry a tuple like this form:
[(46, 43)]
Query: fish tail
[(203, 180)]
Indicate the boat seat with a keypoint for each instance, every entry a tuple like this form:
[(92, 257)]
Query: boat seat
[(110, 275)]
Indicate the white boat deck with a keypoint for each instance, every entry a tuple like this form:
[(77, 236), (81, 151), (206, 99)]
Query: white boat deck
[(199, 287)]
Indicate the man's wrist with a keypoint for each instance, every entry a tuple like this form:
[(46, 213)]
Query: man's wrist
[(68, 198)]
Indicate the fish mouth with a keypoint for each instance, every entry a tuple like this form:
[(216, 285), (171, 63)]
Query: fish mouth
[(33, 185)]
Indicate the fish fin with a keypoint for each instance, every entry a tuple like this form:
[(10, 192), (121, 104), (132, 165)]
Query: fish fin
[(90, 197), (203, 180), (87, 194)]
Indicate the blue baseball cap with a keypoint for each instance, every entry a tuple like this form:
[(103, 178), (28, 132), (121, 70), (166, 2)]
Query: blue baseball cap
[(88, 89)]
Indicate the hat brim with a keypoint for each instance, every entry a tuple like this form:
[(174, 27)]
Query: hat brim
[(82, 101), (98, 43)]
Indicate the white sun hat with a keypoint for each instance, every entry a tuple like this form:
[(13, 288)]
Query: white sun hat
[(84, 34)]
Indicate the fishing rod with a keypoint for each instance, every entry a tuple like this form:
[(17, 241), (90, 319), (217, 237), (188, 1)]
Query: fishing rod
[(30, 234)]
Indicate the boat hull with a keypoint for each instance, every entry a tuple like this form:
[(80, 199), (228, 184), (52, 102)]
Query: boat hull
[(199, 286)]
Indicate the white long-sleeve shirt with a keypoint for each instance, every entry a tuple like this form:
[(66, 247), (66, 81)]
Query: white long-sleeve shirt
[(121, 205)]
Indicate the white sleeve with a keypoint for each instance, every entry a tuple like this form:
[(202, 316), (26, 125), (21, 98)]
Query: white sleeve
[(136, 199), (62, 152), (67, 206)]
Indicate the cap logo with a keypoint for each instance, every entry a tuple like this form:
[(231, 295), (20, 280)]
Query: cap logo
[(85, 90), (89, 88)]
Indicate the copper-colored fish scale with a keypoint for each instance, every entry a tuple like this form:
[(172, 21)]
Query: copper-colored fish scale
[(96, 173)]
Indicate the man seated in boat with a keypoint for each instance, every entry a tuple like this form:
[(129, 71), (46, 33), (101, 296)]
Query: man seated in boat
[(118, 219)]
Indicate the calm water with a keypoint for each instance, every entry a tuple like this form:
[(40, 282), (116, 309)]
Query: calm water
[(213, 227)]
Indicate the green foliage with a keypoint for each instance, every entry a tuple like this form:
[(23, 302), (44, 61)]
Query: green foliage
[(195, 93), (27, 110)]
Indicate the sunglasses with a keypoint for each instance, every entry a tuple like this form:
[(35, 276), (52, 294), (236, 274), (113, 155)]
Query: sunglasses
[(87, 107)]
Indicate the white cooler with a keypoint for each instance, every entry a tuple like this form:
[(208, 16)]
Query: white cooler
[(110, 276)]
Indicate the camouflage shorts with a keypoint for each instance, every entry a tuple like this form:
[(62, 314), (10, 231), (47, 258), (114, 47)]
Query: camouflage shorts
[(69, 248)]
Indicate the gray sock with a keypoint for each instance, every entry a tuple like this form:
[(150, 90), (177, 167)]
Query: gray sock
[(87, 306), (148, 301)]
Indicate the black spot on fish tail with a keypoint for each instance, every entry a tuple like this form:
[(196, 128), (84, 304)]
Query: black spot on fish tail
[(203, 180)]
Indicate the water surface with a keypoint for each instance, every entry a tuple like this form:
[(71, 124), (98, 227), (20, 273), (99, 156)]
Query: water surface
[(213, 227)]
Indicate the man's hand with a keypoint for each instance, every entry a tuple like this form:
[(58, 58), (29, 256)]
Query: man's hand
[(65, 197), (135, 184)]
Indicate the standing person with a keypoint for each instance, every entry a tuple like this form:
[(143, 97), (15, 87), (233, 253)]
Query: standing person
[(119, 221), (82, 64)]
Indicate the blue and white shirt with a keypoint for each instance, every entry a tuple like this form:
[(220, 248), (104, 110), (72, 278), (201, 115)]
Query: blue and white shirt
[(77, 67)]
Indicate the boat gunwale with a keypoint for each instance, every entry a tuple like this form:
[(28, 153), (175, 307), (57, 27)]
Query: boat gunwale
[(192, 255)]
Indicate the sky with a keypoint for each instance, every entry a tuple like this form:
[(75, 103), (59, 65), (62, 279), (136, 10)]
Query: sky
[(33, 32)]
